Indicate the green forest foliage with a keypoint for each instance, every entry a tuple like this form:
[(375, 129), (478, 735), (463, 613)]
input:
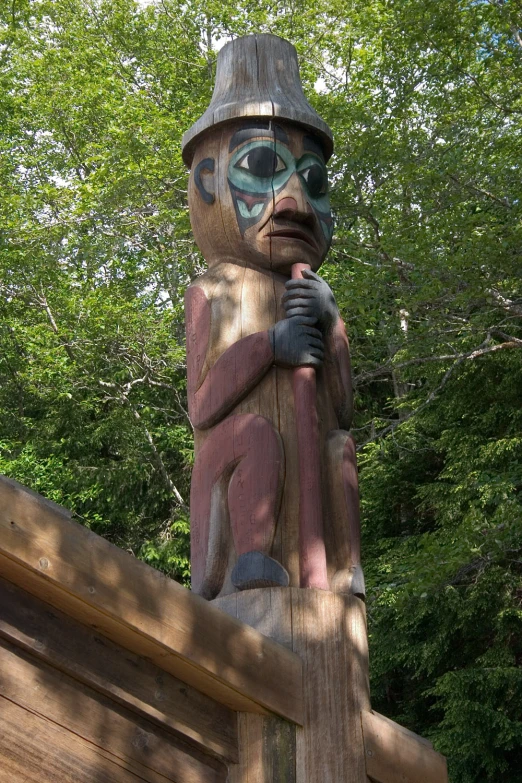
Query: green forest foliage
[(424, 98)]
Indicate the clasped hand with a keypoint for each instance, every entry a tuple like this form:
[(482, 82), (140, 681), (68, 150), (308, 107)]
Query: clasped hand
[(311, 312)]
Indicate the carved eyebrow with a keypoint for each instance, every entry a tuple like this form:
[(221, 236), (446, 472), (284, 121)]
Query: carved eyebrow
[(254, 129), (311, 144)]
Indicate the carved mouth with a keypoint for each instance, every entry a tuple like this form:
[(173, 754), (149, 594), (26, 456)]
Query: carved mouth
[(294, 233)]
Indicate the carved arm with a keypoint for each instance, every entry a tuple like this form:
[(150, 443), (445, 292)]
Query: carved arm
[(213, 395), (338, 370)]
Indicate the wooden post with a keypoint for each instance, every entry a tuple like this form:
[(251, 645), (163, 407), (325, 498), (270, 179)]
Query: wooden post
[(328, 632), (274, 500), (341, 740)]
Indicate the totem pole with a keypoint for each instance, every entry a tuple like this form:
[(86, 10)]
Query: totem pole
[(274, 497), (274, 501)]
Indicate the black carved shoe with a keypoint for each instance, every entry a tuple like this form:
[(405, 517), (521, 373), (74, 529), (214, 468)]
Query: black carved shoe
[(254, 569)]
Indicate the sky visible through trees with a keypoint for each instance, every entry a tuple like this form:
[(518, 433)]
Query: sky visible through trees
[(425, 102)]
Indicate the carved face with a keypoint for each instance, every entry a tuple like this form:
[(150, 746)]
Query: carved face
[(258, 193)]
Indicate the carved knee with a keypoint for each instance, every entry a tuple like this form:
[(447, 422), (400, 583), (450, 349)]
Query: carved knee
[(343, 490)]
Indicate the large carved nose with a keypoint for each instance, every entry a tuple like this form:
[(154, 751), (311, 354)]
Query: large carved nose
[(285, 207), (294, 210)]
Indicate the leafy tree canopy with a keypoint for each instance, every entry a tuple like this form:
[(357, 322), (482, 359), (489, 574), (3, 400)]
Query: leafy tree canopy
[(425, 103)]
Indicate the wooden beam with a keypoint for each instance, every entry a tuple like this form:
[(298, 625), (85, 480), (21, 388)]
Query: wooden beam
[(124, 677), (131, 742), (395, 755), (101, 586), (34, 749)]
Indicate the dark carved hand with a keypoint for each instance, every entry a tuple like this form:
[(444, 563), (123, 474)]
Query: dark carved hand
[(311, 297), (296, 343)]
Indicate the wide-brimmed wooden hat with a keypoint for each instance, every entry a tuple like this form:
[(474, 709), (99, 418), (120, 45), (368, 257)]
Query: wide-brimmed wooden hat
[(257, 76)]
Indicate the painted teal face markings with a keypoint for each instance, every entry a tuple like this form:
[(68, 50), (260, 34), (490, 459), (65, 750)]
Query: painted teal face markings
[(261, 169), (313, 173), (253, 212), (260, 166)]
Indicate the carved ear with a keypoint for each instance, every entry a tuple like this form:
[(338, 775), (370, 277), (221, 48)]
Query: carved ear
[(202, 182)]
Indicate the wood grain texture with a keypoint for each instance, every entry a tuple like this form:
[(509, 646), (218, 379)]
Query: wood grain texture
[(339, 373), (132, 741), (328, 631), (257, 76), (343, 512), (107, 589), (36, 750), (267, 743), (395, 755), (351, 495), (243, 301), (116, 673), (330, 637)]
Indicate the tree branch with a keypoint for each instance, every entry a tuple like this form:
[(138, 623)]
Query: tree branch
[(474, 80), (516, 35), (434, 393), (123, 397), (457, 359), (507, 304), (482, 350), (157, 456), (509, 338), (41, 300), (475, 189)]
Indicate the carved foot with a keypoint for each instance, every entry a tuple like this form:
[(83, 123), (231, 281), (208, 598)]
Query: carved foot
[(254, 569), (350, 580)]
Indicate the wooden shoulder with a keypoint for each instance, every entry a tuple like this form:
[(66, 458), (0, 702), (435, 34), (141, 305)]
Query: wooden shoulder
[(222, 275)]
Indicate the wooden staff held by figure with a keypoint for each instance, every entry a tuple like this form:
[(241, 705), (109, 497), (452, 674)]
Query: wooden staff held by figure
[(312, 553)]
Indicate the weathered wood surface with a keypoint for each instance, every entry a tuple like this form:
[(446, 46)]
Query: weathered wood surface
[(395, 755), (36, 750), (135, 743), (341, 470), (328, 631), (330, 636), (269, 87), (341, 740), (259, 208), (105, 588), (267, 745), (230, 312), (122, 676)]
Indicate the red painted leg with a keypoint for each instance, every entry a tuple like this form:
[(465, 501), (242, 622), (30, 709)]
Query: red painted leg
[(240, 459), (253, 492), (343, 487), (351, 496)]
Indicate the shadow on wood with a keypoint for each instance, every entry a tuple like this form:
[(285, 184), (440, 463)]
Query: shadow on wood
[(109, 671)]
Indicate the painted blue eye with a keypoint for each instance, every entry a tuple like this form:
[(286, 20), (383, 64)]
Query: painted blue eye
[(261, 162), (316, 180)]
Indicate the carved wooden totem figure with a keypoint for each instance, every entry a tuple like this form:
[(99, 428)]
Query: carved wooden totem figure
[(274, 498)]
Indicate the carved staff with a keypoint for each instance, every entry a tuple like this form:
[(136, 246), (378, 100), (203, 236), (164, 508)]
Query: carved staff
[(312, 553)]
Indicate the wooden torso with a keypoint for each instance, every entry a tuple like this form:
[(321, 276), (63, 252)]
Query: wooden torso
[(244, 301)]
